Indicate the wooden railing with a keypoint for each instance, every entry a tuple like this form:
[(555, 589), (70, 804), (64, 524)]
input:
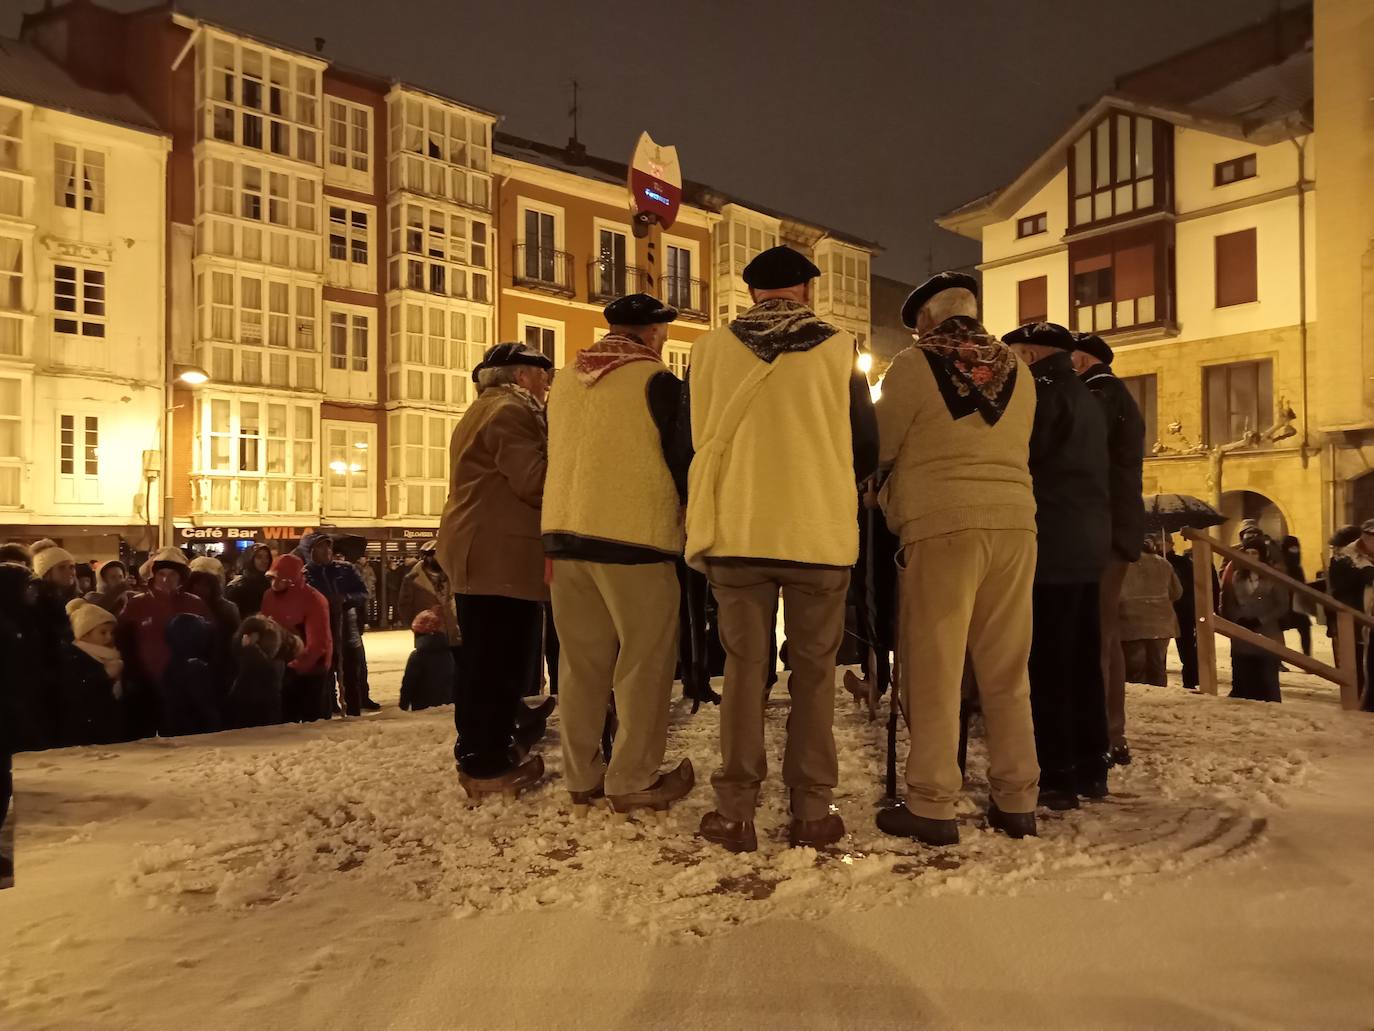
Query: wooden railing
[(1344, 674)]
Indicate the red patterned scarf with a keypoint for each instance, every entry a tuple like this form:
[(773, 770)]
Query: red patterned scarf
[(610, 353)]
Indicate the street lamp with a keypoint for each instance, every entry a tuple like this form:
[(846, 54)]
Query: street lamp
[(184, 375), (191, 375), (865, 362)]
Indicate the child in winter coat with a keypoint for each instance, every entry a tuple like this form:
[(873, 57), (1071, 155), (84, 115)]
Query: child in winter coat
[(90, 702), (190, 701), (264, 648), (429, 672)]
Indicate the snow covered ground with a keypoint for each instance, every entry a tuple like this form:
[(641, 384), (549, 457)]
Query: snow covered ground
[(333, 876)]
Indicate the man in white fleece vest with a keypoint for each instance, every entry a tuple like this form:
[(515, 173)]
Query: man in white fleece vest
[(783, 429), (612, 523)]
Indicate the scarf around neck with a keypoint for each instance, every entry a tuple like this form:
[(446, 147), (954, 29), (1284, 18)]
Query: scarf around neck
[(525, 398), (974, 370), (780, 326), (610, 353), (106, 656)]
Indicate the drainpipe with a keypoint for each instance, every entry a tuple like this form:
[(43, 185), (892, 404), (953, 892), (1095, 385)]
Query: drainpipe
[(1302, 285)]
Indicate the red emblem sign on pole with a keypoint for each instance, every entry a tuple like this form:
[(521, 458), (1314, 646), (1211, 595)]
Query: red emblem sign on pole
[(655, 185)]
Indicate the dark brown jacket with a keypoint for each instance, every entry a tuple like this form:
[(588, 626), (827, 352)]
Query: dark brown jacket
[(489, 539)]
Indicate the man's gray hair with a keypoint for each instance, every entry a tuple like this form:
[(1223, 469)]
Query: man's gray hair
[(495, 376)]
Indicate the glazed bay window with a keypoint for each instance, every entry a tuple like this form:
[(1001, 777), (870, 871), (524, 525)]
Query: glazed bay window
[(257, 98), (430, 349), (350, 247), (78, 300), (348, 483), (272, 321), (1121, 281), (439, 150), (11, 295), (78, 178), (739, 239), (1118, 168), (78, 459), (1239, 399), (11, 441), (11, 138), (255, 213), (842, 288), (417, 459), (350, 372), (255, 456), (439, 252), (348, 155)]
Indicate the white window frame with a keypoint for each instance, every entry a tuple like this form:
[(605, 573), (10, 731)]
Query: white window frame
[(413, 375), (80, 486), (303, 96), (90, 301), (412, 168), (237, 346), (301, 234), (463, 270), (12, 157), (361, 500), (428, 454), (351, 383), (677, 355), (12, 466), (347, 174), (14, 319), (87, 194), (623, 229), (560, 219), (346, 272), (524, 322), (250, 490)]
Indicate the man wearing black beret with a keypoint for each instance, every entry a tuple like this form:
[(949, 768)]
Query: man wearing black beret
[(783, 430), (1068, 467), (612, 524), (1092, 360), (489, 550)]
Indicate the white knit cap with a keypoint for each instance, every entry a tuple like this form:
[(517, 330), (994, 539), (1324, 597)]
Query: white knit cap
[(207, 564), (47, 554), (85, 617)]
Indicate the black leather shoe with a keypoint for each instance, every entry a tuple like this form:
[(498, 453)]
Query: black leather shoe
[(527, 714), (1013, 825), (1093, 788), (901, 822), (370, 706), (1057, 799), (1120, 755)]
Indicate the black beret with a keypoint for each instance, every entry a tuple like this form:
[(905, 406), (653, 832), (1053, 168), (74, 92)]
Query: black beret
[(510, 354), (937, 283), (638, 310), (1042, 334), (1091, 343), (778, 268)]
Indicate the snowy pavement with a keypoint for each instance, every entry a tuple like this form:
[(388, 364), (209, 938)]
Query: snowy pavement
[(333, 876)]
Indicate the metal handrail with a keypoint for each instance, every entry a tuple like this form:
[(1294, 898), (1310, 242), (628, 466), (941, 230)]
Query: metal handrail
[(624, 279), (695, 291), (552, 269), (1345, 674)]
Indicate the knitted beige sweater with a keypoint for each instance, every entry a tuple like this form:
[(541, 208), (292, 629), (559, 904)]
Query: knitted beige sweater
[(952, 474)]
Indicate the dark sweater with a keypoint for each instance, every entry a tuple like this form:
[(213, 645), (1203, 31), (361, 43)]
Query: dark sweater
[(1125, 455)]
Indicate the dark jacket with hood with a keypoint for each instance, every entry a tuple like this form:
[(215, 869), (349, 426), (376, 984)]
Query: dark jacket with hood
[(190, 698), (28, 690), (263, 648), (246, 589), (429, 673), (1068, 465), (1126, 457), (89, 712)]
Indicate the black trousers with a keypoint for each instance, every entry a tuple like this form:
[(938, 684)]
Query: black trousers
[(1187, 652), (499, 635), (306, 697), (1255, 677), (1068, 702)]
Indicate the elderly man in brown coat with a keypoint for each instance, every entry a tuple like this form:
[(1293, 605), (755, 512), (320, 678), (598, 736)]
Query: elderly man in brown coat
[(490, 549)]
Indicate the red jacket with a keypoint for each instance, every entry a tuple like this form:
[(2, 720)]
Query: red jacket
[(142, 629), (305, 612)]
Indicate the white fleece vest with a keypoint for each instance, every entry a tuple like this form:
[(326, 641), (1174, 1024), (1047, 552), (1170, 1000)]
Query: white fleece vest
[(607, 478), (779, 484)]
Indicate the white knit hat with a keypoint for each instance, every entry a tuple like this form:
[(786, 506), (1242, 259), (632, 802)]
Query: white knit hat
[(85, 617), (46, 554), (207, 564)]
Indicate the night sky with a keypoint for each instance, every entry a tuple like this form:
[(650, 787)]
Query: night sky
[(871, 116)]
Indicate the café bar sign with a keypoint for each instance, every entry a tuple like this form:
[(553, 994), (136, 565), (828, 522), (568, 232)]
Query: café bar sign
[(204, 534)]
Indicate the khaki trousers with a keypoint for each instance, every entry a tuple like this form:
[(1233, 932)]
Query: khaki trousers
[(1113, 658), (813, 611), (968, 591), (617, 627)]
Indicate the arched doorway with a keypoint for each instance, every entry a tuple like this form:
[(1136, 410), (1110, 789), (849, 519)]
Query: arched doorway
[(1360, 495), (1239, 505)]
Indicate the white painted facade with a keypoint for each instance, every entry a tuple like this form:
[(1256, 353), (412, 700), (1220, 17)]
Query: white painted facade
[(82, 227)]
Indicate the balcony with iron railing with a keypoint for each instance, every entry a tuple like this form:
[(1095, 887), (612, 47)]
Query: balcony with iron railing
[(607, 280), (688, 296), (543, 269)]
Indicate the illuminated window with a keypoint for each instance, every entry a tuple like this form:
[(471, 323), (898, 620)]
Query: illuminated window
[(677, 357), (78, 300), (78, 459), (255, 455), (78, 178), (11, 441), (349, 485)]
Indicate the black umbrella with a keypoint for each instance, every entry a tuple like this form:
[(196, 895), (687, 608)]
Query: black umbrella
[(1169, 513)]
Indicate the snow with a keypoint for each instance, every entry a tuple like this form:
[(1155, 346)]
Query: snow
[(334, 876)]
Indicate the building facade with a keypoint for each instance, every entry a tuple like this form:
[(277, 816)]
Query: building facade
[(82, 264), (1177, 217)]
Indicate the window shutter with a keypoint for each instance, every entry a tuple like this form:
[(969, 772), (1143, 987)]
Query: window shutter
[(1031, 300), (1135, 272), (1236, 272)]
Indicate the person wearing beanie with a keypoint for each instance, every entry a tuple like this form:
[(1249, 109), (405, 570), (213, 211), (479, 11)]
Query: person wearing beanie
[(208, 564), (307, 690), (782, 431), (246, 589), (113, 588), (612, 526), (263, 648), (954, 423), (141, 634), (91, 708), (56, 565), (1069, 471), (428, 679), (1092, 360), (490, 551)]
